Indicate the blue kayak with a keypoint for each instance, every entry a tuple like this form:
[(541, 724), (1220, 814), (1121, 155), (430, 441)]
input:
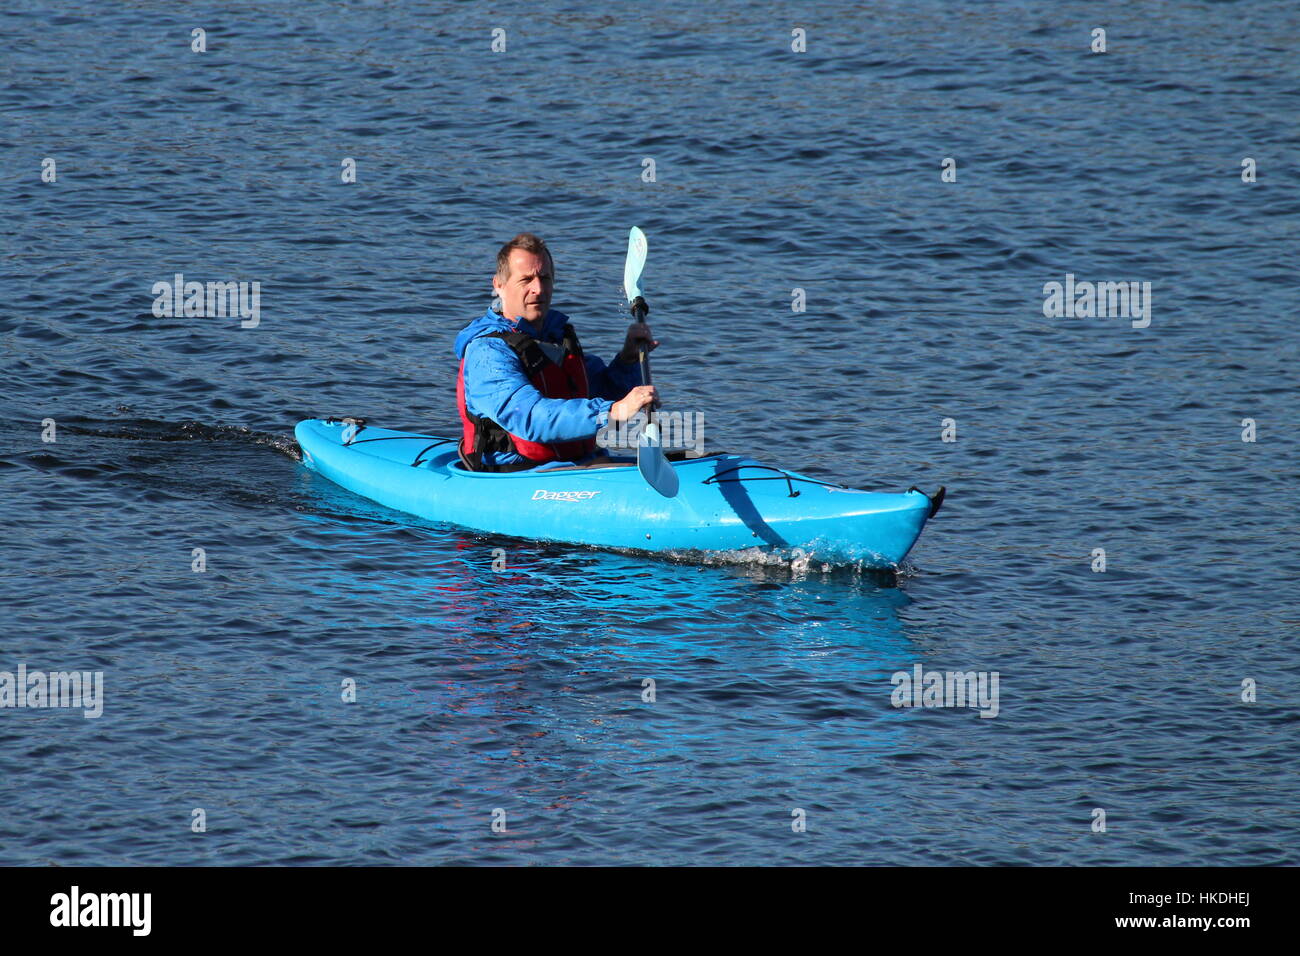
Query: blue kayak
[(725, 503)]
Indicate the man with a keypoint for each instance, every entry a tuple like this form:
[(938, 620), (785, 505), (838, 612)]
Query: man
[(528, 395)]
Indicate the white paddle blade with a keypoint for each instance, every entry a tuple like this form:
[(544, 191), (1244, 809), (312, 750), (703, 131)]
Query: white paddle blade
[(636, 253), (652, 464)]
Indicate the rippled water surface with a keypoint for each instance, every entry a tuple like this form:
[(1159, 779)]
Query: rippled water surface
[(522, 689)]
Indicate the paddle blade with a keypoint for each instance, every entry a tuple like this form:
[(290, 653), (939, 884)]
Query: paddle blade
[(636, 252), (652, 464)]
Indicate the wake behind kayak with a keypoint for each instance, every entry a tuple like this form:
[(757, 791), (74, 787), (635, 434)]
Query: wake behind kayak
[(726, 502)]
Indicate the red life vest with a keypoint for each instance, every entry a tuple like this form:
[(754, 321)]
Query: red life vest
[(564, 379)]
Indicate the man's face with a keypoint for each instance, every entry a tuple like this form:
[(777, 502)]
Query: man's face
[(526, 291)]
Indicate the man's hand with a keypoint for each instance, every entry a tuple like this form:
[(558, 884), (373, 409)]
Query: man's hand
[(637, 333), (632, 402)]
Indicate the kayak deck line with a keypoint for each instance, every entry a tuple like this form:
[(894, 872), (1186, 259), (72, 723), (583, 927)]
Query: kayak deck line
[(788, 476), (726, 502), (359, 423)]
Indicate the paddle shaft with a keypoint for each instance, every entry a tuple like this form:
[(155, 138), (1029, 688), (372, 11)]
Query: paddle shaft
[(639, 311)]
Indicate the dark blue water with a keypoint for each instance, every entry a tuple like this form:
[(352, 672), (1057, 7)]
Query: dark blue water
[(522, 689)]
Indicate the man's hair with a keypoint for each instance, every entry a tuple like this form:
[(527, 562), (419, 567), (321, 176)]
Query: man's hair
[(527, 242)]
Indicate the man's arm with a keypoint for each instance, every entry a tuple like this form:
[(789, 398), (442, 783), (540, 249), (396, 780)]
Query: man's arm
[(497, 388), (624, 373), (612, 381)]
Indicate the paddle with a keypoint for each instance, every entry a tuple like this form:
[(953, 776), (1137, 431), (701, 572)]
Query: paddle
[(650, 460)]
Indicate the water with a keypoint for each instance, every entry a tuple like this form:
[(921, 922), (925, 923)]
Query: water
[(521, 690)]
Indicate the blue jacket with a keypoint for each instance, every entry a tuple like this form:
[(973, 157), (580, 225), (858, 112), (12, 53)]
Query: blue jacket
[(497, 388)]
